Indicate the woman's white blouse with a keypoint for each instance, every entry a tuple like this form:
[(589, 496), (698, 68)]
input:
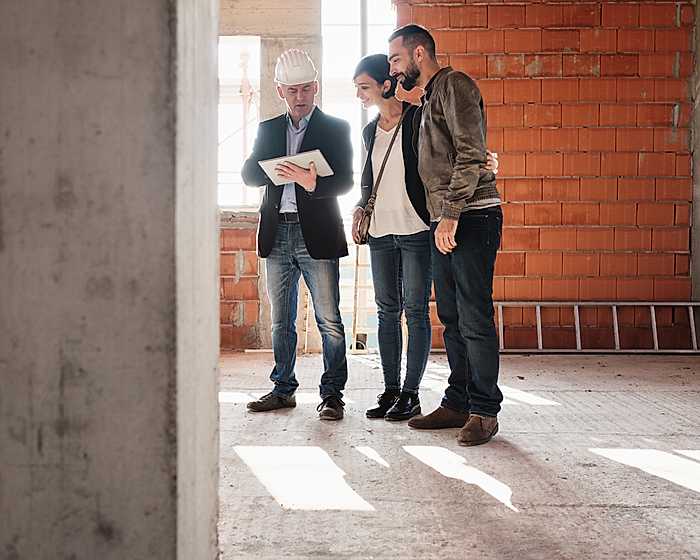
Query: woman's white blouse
[(393, 212)]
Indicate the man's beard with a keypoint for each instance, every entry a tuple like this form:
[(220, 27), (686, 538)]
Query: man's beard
[(410, 76)]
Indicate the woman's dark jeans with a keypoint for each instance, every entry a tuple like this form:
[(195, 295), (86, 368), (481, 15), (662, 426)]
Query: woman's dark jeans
[(401, 271)]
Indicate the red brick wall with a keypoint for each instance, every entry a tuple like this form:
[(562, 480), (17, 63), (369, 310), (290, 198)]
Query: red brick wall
[(239, 277), (588, 105)]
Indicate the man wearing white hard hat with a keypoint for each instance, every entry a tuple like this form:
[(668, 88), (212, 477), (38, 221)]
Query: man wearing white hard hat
[(301, 231)]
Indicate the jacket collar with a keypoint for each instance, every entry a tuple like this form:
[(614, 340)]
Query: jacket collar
[(312, 138), (439, 75), (304, 121)]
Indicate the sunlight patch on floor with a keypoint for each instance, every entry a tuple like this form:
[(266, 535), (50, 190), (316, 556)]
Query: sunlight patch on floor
[(302, 478), (371, 453), (678, 470), (451, 465)]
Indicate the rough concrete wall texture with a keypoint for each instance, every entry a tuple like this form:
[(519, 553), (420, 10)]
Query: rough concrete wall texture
[(588, 105), (88, 276), (197, 264), (270, 18)]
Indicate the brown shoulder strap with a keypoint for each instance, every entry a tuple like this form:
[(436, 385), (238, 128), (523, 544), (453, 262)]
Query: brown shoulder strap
[(378, 178)]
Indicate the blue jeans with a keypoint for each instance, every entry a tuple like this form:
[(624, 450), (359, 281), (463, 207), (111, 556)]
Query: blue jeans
[(401, 275), (464, 295), (288, 260)]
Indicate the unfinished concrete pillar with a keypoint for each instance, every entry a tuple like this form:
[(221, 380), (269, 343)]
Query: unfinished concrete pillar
[(108, 280)]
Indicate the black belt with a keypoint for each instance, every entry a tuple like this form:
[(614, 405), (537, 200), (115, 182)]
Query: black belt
[(289, 217)]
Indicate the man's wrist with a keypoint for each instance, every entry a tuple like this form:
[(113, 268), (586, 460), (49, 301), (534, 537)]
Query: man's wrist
[(450, 211)]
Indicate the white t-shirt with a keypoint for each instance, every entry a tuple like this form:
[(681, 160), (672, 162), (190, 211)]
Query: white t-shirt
[(393, 212)]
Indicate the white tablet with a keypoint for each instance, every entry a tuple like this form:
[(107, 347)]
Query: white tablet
[(302, 160)]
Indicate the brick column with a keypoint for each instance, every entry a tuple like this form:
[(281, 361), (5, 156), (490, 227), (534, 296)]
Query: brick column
[(240, 278)]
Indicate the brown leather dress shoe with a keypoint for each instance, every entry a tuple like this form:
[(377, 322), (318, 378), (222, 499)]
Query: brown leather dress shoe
[(479, 429), (439, 419)]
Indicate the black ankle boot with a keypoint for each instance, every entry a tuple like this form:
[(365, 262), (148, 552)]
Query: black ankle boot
[(384, 402), (406, 407)]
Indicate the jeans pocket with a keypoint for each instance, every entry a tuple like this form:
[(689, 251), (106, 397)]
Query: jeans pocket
[(482, 228)]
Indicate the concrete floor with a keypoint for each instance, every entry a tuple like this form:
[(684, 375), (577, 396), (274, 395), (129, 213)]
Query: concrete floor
[(538, 490)]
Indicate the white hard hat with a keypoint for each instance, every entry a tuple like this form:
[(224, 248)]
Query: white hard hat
[(294, 67)]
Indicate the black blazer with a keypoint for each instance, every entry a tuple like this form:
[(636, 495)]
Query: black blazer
[(414, 185), (319, 213)]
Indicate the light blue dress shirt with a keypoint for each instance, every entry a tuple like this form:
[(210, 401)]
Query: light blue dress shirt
[(295, 136)]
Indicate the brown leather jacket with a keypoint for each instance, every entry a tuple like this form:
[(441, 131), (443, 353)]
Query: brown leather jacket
[(452, 147)]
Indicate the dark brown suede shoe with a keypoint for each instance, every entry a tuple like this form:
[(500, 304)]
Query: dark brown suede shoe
[(439, 419), (272, 402), (479, 429)]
